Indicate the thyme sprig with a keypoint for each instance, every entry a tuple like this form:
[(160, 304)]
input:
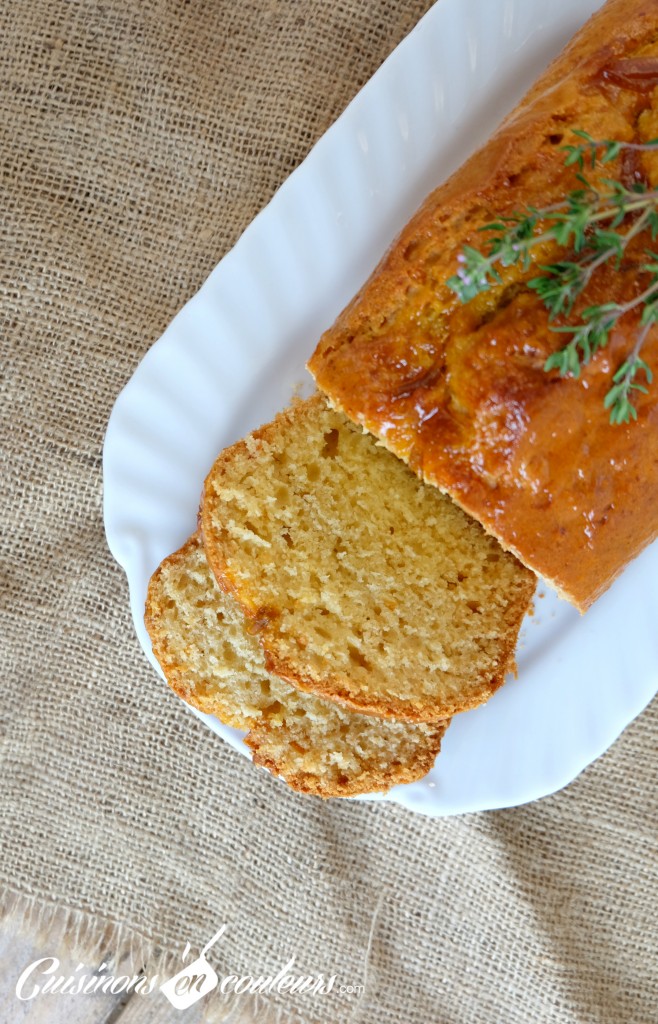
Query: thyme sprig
[(594, 224)]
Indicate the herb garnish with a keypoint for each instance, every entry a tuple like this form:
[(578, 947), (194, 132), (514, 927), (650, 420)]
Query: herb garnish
[(595, 223)]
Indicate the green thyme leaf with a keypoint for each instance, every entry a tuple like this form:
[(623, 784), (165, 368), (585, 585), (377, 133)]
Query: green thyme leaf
[(593, 226)]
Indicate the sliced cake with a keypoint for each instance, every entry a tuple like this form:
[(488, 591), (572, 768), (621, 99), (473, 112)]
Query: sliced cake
[(214, 663), (362, 584)]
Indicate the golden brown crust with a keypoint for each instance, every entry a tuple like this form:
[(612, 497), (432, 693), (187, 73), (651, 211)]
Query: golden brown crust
[(460, 393), (339, 688)]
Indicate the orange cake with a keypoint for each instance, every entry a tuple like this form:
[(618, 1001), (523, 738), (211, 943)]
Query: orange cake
[(460, 392)]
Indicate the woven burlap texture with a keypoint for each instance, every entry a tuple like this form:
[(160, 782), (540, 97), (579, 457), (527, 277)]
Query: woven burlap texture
[(139, 138)]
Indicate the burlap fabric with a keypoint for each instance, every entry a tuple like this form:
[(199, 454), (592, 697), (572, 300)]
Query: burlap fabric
[(139, 137)]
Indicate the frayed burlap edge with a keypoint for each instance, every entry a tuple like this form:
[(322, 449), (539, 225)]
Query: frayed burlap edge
[(88, 937)]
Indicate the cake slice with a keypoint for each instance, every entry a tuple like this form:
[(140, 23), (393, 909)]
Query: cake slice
[(460, 391), (362, 585), (214, 663)]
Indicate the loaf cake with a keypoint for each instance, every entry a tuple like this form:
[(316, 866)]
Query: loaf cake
[(215, 664), (363, 585), (460, 392)]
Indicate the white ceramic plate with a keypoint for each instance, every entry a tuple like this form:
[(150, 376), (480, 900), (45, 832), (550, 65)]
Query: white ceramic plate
[(234, 354)]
